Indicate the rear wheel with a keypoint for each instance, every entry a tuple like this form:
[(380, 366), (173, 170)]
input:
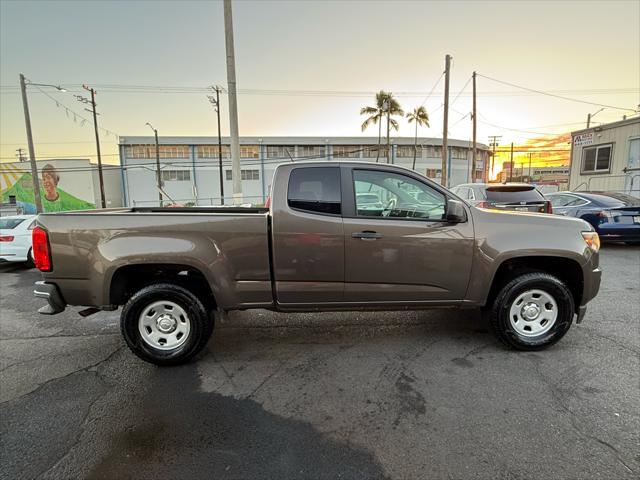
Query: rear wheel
[(532, 311), (165, 324), (30, 262)]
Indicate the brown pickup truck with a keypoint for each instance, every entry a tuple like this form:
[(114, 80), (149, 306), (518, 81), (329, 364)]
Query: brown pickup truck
[(337, 236)]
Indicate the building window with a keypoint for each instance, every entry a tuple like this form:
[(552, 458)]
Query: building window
[(596, 159), (281, 151), (149, 151), (373, 152), (244, 174), (249, 151), (459, 153), (211, 151), (176, 175), (406, 151), (346, 151), (311, 151)]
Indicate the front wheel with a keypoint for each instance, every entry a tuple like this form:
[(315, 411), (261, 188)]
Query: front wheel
[(165, 324), (532, 311)]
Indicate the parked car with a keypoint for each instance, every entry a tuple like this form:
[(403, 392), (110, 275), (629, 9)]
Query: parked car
[(615, 216), (522, 197), (15, 238), (318, 249)]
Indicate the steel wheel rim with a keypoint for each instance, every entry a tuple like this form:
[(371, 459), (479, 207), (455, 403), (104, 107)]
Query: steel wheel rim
[(164, 325), (533, 313)]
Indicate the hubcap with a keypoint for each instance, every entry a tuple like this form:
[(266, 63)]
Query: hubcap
[(533, 313), (164, 325)]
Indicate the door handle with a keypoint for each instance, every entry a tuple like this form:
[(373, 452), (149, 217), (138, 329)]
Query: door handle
[(367, 235)]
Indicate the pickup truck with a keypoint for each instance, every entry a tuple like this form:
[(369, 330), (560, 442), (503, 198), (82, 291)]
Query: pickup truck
[(336, 236)]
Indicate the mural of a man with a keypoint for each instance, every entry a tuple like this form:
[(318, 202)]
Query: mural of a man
[(54, 198)]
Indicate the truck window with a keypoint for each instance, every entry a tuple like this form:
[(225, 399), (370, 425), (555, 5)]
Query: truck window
[(398, 196), (315, 189)]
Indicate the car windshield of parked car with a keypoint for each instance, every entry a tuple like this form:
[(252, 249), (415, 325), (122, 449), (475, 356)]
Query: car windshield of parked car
[(513, 195), (10, 223)]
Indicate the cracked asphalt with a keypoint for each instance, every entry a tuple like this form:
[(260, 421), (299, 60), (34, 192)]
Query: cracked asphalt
[(402, 395)]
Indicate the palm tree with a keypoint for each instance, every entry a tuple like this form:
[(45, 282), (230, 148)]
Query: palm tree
[(386, 105), (421, 117), (375, 116)]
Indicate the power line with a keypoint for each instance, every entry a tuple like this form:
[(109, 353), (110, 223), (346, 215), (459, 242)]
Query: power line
[(555, 95), (432, 89)]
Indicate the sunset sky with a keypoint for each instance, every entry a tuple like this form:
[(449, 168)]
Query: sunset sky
[(324, 59)]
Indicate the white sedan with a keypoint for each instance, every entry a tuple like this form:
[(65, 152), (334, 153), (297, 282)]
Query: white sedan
[(15, 238)]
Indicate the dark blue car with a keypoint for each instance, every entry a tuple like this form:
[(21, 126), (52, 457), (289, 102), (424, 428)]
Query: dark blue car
[(615, 216)]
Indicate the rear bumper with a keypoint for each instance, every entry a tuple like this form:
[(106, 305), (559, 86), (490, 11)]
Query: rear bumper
[(49, 292)]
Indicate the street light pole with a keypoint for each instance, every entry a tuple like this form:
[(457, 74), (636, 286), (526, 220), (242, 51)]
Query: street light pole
[(32, 155), (158, 177)]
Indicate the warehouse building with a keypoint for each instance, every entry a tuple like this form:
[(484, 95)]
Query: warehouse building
[(190, 173), (607, 157)]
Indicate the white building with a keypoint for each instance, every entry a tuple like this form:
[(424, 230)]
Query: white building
[(190, 172), (607, 157)]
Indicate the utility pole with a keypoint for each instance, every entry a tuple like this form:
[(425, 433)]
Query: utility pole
[(473, 157), (20, 154), (32, 155), (511, 168), (233, 104), (529, 167), (158, 173), (216, 105), (493, 142), (445, 122), (103, 202)]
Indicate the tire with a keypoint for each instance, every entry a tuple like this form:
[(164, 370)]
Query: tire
[(30, 263), (166, 312), (512, 315)]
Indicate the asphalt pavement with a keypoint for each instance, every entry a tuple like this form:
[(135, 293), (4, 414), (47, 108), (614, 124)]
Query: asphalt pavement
[(400, 395)]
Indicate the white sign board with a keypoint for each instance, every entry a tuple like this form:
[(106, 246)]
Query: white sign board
[(583, 139)]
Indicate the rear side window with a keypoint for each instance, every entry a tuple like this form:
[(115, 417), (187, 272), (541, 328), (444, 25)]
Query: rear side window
[(315, 189), (10, 223), (509, 196)]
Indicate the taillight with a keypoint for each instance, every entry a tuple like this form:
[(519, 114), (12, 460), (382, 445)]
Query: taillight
[(483, 204), (40, 249), (548, 207), (267, 204), (6, 238)]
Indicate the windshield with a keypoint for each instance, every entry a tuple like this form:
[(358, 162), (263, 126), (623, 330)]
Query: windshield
[(10, 223), (506, 196)]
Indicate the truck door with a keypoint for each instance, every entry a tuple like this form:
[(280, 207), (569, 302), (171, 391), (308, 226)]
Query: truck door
[(308, 236), (398, 248)]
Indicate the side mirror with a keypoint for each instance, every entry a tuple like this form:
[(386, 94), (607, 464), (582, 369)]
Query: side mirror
[(456, 212)]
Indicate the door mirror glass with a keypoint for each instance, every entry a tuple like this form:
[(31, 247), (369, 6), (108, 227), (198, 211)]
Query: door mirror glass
[(455, 212)]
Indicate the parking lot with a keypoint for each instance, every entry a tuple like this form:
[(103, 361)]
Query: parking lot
[(336, 395)]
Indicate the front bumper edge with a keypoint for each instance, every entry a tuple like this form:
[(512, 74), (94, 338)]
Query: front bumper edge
[(50, 293)]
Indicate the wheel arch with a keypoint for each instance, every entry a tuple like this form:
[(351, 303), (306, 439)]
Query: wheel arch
[(568, 270), (126, 280)]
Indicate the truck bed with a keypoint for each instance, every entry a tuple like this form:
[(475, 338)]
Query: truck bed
[(230, 246)]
